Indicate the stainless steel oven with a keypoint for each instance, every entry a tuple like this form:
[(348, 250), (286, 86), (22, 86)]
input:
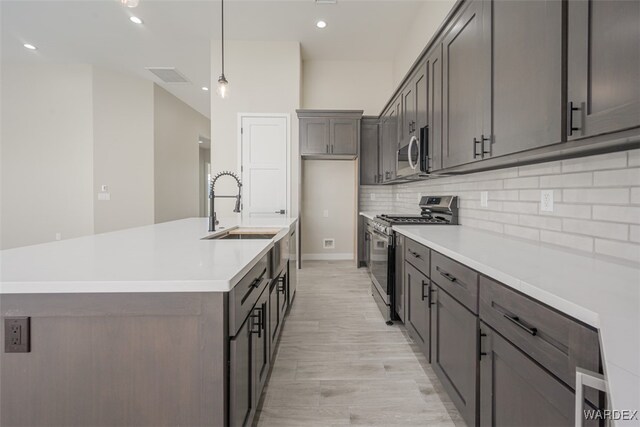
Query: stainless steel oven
[(380, 252)]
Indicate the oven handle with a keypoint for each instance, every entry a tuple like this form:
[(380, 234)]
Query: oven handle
[(384, 236)]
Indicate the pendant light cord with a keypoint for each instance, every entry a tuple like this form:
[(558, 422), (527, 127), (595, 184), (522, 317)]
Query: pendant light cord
[(222, 17)]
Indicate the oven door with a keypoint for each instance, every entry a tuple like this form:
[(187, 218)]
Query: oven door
[(408, 159), (379, 262)]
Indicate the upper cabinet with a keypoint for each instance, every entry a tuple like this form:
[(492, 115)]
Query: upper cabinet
[(369, 148), (603, 78), (329, 134), (434, 108), (527, 75), (467, 84), (390, 139), (414, 105)]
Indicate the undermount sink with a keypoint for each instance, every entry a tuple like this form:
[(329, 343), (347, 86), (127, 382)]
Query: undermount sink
[(245, 234)]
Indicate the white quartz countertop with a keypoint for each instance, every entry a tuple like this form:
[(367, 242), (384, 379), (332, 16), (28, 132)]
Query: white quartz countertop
[(601, 293), (370, 215), (167, 257)]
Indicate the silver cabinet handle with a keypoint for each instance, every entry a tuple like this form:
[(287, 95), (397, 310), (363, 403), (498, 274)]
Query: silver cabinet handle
[(590, 379)]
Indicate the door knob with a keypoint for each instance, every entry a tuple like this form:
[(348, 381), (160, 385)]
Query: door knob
[(281, 212)]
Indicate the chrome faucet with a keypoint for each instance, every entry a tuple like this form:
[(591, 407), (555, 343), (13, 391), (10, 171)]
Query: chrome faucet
[(213, 221)]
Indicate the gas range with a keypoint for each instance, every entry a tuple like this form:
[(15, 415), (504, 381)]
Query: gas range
[(440, 210)]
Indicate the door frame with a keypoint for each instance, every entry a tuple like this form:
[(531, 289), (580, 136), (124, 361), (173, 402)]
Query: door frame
[(287, 118)]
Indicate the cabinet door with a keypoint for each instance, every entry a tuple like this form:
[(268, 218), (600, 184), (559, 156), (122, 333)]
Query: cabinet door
[(282, 289), (467, 78), (418, 314), (343, 136), (434, 74), (241, 397), (390, 146), (527, 75), (261, 344), (369, 152), (421, 89), (314, 135), (454, 345), (516, 391), (603, 66), (409, 112), (274, 316)]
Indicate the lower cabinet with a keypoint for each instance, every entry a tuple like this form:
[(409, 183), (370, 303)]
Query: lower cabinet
[(454, 352), (516, 391), (417, 313), (248, 364)]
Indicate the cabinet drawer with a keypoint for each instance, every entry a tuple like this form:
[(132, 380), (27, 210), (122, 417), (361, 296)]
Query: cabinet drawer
[(459, 281), (417, 255), (245, 294), (552, 339)]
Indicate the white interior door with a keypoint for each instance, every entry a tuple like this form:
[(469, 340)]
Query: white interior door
[(264, 166)]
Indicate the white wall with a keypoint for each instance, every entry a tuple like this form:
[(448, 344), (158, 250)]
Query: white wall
[(418, 34), (331, 185), (346, 85), (177, 129), (264, 77), (47, 153), (122, 150)]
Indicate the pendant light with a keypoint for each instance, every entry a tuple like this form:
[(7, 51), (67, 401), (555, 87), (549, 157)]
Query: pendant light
[(223, 84)]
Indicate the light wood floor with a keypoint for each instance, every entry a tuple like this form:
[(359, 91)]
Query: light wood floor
[(338, 363)]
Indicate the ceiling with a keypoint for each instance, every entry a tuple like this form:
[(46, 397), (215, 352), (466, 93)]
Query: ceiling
[(178, 33)]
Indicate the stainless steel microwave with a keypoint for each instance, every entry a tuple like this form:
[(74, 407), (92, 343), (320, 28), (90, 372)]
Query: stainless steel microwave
[(412, 159)]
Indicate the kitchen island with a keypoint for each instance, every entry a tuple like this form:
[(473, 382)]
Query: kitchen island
[(155, 325)]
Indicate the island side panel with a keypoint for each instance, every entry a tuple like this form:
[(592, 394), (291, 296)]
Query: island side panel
[(116, 360)]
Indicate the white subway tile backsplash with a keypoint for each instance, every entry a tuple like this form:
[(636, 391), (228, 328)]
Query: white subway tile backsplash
[(540, 169), (569, 240), (599, 162), (520, 207), (596, 202), (584, 179), (522, 232), (617, 178), (608, 230), (541, 222), (596, 195), (628, 214), (634, 158), (624, 250), (528, 182)]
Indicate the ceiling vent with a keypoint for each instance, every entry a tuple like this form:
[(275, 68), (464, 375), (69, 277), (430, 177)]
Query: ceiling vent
[(326, 1), (168, 74)]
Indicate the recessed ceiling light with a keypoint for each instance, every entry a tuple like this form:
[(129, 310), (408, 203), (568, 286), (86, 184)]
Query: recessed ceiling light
[(205, 88), (200, 142), (30, 46), (135, 20), (321, 24)]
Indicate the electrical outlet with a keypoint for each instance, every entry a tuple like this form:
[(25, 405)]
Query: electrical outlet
[(373, 196), (484, 199), (16, 335), (58, 236), (328, 243), (325, 213), (546, 200)]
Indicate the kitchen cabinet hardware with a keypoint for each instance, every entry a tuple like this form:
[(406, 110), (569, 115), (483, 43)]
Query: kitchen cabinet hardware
[(447, 276), (257, 321), (485, 139), (481, 335), (257, 280), (415, 254), (570, 110), (475, 149), (281, 212), (516, 321), (423, 296), (327, 150), (432, 290)]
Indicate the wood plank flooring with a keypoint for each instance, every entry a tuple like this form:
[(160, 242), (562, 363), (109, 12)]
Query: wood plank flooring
[(339, 364)]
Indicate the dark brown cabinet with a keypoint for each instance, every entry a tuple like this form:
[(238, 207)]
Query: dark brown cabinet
[(329, 134), (369, 151), (603, 67), (434, 108), (418, 313), (527, 76), (466, 82), (249, 363), (391, 135), (516, 391), (454, 352)]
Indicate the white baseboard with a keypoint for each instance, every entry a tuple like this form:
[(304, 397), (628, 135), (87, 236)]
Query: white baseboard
[(327, 257)]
